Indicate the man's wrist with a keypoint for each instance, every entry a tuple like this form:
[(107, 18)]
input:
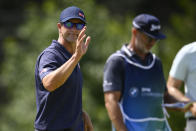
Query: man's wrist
[(76, 57)]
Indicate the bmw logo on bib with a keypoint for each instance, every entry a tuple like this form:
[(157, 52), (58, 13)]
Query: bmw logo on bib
[(133, 92)]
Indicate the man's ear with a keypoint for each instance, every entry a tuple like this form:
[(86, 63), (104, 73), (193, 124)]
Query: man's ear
[(59, 26), (134, 31)]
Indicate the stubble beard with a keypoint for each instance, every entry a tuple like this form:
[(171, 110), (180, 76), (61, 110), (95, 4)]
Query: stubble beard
[(70, 38), (141, 47)]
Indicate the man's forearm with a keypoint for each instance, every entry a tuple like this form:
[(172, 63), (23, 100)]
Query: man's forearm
[(56, 78), (173, 86), (116, 116), (177, 94)]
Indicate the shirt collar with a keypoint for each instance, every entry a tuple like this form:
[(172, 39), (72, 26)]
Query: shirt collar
[(129, 52), (61, 47), (132, 55)]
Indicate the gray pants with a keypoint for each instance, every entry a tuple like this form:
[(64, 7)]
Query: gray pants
[(190, 125)]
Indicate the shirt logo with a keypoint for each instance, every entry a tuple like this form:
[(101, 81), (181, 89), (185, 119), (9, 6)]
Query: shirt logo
[(43, 70), (106, 83), (78, 65), (155, 27)]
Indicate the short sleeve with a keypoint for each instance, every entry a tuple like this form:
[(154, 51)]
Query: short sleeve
[(113, 78), (179, 66), (48, 63)]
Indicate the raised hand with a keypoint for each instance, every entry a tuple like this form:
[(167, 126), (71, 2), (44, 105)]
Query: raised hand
[(81, 46)]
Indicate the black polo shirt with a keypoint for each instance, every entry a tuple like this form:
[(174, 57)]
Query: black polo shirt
[(61, 108)]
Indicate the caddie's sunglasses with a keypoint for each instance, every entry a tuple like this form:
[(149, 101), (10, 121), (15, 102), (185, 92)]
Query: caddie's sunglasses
[(148, 38), (69, 25)]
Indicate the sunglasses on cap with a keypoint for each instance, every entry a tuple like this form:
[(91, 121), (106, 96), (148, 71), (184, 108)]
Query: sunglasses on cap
[(69, 25)]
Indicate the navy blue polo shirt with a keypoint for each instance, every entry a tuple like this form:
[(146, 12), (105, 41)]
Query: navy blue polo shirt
[(61, 108)]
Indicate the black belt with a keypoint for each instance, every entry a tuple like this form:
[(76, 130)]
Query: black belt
[(191, 118)]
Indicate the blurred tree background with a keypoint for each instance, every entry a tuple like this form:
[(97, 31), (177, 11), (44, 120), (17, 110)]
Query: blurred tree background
[(29, 26)]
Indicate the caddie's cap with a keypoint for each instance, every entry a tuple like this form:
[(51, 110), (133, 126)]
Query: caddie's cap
[(148, 24), (71, 13)]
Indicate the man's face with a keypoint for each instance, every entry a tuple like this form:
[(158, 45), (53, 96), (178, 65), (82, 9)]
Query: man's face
[(144, 43), (69, 30)]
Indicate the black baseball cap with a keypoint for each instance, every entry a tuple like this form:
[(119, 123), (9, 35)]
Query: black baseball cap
[(71, 13), (148, 24)]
